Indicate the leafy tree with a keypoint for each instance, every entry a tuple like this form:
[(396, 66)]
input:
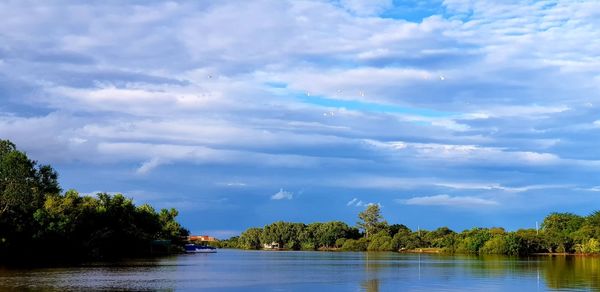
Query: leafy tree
[(33, 212), (23, 186), (380, 241), (370, 219), (356, 244), (395, 228), (524, 241), (557, 229), (340, 242), (285, 234), (496, 245), (329, 232), (250, 239), (591, 246), (473, 240), (308, 237)]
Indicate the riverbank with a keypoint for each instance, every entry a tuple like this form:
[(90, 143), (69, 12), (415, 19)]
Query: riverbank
[(430, 250), (425, 250)]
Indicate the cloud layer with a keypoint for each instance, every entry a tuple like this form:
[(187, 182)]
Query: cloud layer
[(471, 99), (445, 200)]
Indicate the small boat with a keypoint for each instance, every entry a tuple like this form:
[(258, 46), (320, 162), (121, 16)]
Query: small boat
[(196, 248)]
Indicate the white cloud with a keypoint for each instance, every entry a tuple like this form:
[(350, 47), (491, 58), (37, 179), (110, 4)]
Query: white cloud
[(150, 165), (183, 91), (590, 189), (461, 154), (236, 184), (499, 187), (446, 200), (352, 202), (282, 195), (521, 111), (367, 7), (355, 202)]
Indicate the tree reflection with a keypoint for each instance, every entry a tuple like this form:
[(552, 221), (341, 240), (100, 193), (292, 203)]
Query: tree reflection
[(567, 272), (560, 272), (371, 285), (372, 267)]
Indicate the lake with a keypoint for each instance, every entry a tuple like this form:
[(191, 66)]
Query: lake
[(235, 270)]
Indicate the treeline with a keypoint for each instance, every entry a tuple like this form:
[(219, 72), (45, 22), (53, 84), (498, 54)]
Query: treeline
[(559, 233), (39, 222)]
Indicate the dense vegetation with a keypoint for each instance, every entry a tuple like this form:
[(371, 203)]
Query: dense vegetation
[(38, 221), (559, 233)]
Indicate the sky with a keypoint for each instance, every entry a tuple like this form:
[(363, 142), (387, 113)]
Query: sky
[(451, 113)]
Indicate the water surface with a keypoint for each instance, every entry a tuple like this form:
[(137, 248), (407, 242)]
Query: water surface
[(235, 270)]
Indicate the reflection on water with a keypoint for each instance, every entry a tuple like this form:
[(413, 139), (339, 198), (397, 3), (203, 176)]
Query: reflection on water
[(370, 285), (573, 272), (232, 270)]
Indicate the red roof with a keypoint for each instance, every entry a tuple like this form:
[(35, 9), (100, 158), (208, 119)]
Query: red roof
[(201, 238)]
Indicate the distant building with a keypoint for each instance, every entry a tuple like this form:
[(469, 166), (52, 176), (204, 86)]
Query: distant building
[(272, 245), (201, 238)]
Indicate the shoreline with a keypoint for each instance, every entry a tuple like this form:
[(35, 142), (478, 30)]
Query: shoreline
[(425, 250)]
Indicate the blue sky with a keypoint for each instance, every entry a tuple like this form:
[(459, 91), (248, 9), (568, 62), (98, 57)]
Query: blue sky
[(238, 113)]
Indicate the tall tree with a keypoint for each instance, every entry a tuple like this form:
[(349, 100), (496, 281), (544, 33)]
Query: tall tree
[(370, 219), (557, 229)]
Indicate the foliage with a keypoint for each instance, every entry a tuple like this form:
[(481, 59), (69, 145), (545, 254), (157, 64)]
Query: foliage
[(380, 241), (496, 245), (34, 213), (578, 234), (558, 228), (405, 239), (589, 247), (360, 244), (296, 236), (371, 220), (250, 239), (474, 239)]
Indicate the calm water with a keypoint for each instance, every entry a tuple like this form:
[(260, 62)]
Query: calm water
[(235, 270)]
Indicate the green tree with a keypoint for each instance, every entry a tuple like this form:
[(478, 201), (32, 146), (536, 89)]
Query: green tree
[(557, 229), (442, 237), (360, 244), (308, 237), (371, 219), (23, 186), (33, 212), (496, 245), (395, 228), (473, 240), (250, 239), (327, 233), (380, 241), (286, 234), (406, 239)]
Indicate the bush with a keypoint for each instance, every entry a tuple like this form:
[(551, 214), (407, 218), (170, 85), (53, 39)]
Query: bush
[(381, 241), (591, 246), (496, 245), (340, 242), (307, 246), (355, 245), (473, 240)]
